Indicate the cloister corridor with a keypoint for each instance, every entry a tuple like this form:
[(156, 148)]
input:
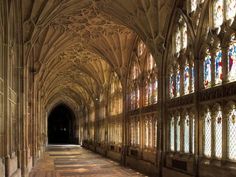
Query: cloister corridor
[(75, 161), (118, 88)]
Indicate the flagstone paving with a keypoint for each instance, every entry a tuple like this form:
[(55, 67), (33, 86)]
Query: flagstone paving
[(75, 161)]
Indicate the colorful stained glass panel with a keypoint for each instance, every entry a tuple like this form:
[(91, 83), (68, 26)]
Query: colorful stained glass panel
[(178, 82), (232, 62), (218, 67), (192, 79), (207, 71), (172, 86), (186, 80)]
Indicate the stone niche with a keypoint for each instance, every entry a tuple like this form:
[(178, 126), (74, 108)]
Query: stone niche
[(2, 168), (114, 155)]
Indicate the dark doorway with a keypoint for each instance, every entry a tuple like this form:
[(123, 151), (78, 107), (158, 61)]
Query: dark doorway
[(61, 126)]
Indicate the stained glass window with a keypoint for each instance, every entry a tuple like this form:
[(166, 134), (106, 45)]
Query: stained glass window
[(151, 81), (146, 93), (172, 134), (155, 90), (184, 36), (149, 92), (207, 134), (207, 71), (218, 135), (150, 63), (193, 135), (192, 79), (137, 97), (178, 40), (193, 5), (218, 13), (146, 133), (133, 99), (178, 82), (230, 9), (218, 67), (232, 62), (186, 134), (186, 79), (232, 134), (172, 85), (178, 134)]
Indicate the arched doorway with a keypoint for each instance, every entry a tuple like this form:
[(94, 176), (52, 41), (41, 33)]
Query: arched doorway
[(61, 126)]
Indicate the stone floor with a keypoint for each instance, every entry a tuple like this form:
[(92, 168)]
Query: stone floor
[(75, 161)]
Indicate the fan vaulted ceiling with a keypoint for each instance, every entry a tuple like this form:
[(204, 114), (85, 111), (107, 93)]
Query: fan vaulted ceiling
[(75, 44)]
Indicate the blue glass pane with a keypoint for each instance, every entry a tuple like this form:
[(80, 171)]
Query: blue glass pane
[(172, 86), (232, 62), (218, 67), (186, 80), (178, 83), (193, 79), (207, 71)]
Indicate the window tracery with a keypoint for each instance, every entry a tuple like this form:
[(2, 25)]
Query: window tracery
[(223, 10), (181, 72), (230, 9), (115, 104), (194, 4), (195, 9), (218, 13), (181, 131), (134, 86), (115, 107), (143, 92), (232, 60), (151, 81)]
